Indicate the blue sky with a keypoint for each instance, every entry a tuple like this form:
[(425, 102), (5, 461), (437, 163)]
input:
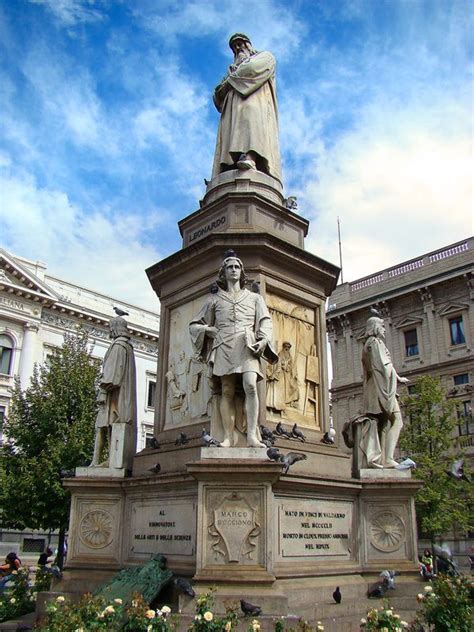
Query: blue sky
[(107, 127)]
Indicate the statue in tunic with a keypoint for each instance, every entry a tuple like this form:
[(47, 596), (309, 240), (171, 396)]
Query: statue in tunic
[(232, 333), (116, 421), (246, 98), (381, 423)]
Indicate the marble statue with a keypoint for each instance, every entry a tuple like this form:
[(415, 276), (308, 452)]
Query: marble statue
[(246, 98), (381, 422), (233, 332), (116, 421)]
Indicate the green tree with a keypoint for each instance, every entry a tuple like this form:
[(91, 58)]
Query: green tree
[(50, 428), (428, 437)]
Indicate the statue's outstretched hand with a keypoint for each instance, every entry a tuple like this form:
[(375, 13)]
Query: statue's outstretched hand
[(403, 380)]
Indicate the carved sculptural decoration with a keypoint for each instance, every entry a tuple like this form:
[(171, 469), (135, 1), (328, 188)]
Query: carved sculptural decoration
[(246, 98), (381, 423), (232, 333), (116, 421)]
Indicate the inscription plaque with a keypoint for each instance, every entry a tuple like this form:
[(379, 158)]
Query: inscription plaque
[(314, 528), (167, 527)]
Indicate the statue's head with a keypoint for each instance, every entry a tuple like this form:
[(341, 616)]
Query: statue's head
[(286, 346), (375, 327), (118, 327), (241, 45), (231, 269)]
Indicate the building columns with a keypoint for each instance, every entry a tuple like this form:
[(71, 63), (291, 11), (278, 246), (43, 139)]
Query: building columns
[(28, 353)]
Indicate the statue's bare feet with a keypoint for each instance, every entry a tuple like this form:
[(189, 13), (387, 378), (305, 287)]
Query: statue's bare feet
[(253, 442), (390, 463), (225, 443), (245, 162)]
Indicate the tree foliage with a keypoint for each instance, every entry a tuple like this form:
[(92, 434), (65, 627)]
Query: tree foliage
[(428, 437), (50, 428)]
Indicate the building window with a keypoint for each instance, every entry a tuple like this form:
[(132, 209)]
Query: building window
[(456, 328), (462, 378), (465, 425), (411, 342), (150, 400), (6, 353)]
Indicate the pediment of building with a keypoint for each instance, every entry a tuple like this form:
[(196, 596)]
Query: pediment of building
[(16, 280), (409, 321), (452, 308)]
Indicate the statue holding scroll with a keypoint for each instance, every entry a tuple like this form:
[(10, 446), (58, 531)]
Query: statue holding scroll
[(232, 333), (246, 98)]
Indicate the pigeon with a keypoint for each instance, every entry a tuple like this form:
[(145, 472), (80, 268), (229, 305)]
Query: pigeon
[(255, 287), (267, 434), (120, 312), (274, 454), (67, 473), (377, 590), (457, 471), (289, 459), (389, 578), (249, 609), (213, 288), (184, 586), (267, 443), (336, 595), (182, 439), (329, 436), (208, 439), (154, 443), (155, 469), (406, 464), (375, 312), (296, 432), (206, 182), (282, 431)]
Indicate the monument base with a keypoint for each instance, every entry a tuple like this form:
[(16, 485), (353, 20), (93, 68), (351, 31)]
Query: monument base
[(230, 518), (102, 472)]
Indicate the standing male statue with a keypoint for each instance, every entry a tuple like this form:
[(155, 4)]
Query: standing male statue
[(246, 98), (232, 332), (381, 422), (116, 423)]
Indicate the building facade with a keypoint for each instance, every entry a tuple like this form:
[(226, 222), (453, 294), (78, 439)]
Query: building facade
[(36, 309), (427, 307)]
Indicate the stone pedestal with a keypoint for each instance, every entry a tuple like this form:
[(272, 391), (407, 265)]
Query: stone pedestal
[(230, 517)]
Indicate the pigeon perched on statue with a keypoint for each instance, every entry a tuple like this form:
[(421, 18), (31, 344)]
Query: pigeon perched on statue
[(274, 454), (377, 590), (267, 434), (156, 469), (182, 439), (154, 443), (389, 578), (406, 464), (336, 595), (249, 609), (329, 436), (209, 440), (184, 586), (296, 432), (120, 312), (283, 432)]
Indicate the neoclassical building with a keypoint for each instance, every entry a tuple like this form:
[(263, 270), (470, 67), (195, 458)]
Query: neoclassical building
[(35, 311)]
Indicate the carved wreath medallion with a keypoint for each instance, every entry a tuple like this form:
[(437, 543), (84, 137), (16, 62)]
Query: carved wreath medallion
[(387, 531), (95, 529)]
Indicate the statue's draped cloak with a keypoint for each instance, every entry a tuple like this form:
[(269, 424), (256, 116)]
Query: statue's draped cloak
[(249, 116), (380, 379), (119, 382), (241, 318)]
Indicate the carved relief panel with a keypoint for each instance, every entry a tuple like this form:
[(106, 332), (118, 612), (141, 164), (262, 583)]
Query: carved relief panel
[(188, 394), (293, 384)]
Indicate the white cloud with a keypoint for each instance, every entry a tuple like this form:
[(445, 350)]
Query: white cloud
[(72, 12), (103, 251), (401, 182)]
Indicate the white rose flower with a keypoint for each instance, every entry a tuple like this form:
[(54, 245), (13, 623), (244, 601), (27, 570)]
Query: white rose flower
[(150, 614), (363, 621), (60, 599), (165, 610), (428, 589), (208, 616), (118, 601)]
